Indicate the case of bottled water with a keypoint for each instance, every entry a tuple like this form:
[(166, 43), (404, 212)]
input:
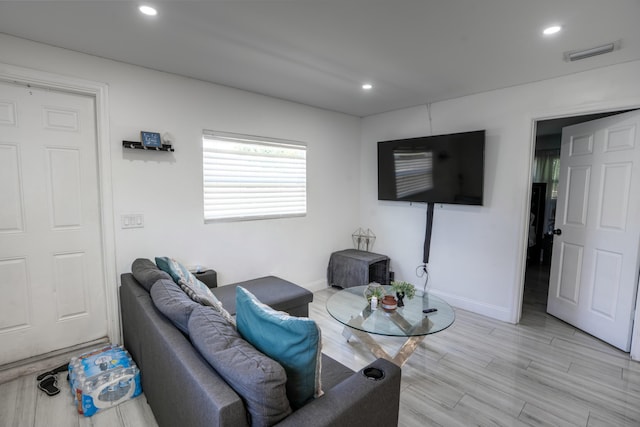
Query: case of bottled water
[(103, 378)]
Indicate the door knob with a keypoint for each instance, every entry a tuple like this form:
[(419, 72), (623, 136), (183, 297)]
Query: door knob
[(557, 231)]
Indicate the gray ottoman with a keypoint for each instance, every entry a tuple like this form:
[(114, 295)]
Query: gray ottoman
[(277, 293)]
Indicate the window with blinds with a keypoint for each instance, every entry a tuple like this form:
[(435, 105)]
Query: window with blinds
[(248, 177)]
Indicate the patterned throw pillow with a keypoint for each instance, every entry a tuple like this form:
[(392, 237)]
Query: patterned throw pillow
[(294, 342), (197, 291)]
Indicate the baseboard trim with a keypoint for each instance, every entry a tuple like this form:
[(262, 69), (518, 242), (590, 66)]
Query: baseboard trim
[(317, 285), (489, 310), (38, 364)]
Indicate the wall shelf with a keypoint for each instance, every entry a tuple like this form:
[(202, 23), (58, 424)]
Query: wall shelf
[(138, 146)]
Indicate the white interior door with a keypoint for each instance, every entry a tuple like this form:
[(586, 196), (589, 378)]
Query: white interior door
[(595, 261), (52, 294)]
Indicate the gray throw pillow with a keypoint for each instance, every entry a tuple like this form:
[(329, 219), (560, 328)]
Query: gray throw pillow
[(197, 291), (147, 273), (173, 303), (259, 380)]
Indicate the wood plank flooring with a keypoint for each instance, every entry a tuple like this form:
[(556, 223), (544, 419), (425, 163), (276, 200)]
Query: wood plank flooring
[(481, 372), (23, 405)]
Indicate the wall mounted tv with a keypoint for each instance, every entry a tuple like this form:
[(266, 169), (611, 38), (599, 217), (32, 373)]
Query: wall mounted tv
[(433, 169)]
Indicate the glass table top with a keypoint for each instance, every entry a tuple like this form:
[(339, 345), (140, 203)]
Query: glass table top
[(350, 307)]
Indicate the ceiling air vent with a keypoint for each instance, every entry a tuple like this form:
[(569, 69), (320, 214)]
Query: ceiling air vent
[(576, 55)]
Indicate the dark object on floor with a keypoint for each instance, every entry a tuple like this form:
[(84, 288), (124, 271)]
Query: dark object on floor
[(62, 368), (49, 385)]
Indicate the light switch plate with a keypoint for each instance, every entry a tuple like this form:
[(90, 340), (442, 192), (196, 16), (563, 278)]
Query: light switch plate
[(132, 221)]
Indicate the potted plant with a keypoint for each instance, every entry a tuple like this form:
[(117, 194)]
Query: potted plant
[(402, 290), (374, 290)]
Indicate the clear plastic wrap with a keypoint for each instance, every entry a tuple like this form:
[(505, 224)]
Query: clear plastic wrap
[(103, 378)]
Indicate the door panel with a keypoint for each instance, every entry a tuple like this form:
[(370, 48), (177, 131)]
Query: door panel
[(595, 262), (615, 193), (577, 195), (11, 214), (69, 281), (15, 313), (606, 283), (51, 271), (65, 191), (570, 267)]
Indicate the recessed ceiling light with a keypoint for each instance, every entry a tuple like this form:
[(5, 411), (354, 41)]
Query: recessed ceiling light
[(552, 30), (148, 10), (367, 86)]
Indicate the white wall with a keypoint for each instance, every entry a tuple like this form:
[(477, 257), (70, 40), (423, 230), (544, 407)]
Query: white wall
[(477, 253), (167, 187)]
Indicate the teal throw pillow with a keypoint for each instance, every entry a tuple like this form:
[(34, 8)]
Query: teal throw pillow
[(294, 342), (197, 291)]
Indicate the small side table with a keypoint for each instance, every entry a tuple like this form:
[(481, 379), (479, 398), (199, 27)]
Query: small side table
[(208, 277), (352, 267)]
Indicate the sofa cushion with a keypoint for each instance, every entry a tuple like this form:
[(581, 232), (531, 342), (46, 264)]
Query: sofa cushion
[(259, 380), (333, 372), (147, 273), (197, 291), (294, 342), (173, 302)]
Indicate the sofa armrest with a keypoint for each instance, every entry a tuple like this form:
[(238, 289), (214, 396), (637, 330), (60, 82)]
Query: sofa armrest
[(356, 401)]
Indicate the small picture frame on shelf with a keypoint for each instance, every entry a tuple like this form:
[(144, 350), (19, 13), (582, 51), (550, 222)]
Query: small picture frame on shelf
[(150, 139)]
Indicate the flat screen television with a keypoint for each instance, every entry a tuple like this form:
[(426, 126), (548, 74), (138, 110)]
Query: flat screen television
[(433, 169)]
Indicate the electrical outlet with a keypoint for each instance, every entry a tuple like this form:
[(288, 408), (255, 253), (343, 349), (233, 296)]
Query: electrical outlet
[(132, 221)]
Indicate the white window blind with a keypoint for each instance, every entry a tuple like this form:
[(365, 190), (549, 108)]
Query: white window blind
[(247, 177)]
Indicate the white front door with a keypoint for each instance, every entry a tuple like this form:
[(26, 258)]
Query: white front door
[(52, 294), (595, 261)]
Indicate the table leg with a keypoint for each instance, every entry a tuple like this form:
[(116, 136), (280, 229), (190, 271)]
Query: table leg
[(346, 332), (407, 350), (401, 356)]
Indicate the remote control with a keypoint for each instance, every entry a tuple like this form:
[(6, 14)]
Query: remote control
[(429, 310)]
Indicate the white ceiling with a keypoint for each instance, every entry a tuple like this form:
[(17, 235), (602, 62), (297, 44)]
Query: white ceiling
[(319, 52)]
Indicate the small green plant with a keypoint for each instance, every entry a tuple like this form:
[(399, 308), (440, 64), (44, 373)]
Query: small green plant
[(374, 290), (405, 288)]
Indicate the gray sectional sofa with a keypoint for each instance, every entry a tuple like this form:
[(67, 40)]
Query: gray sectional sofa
[(183, 389)]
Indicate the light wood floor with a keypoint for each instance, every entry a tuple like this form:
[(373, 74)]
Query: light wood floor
[(482, 372)]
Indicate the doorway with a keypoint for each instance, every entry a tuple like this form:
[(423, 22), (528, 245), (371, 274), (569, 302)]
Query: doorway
[(69, 210), (50, 224), (545, 175)]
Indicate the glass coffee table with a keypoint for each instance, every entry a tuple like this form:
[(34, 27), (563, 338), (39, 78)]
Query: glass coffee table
[(350, 307)]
